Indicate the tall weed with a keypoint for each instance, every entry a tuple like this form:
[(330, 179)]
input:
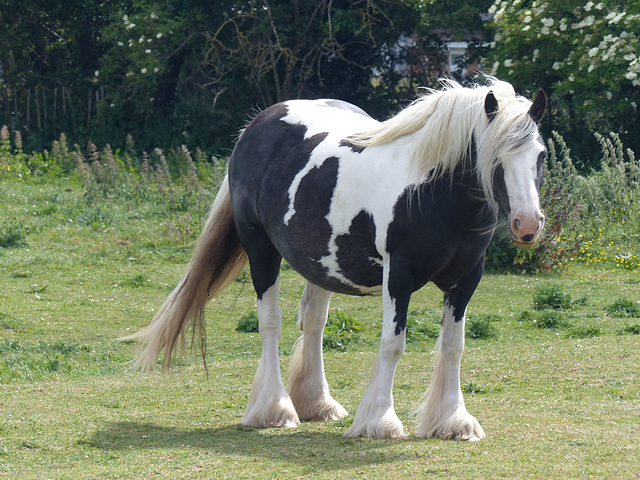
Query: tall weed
[(611, 196), (591, 217)]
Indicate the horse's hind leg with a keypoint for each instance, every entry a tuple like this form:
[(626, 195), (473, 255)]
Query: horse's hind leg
[(308, 386), (269, 403)]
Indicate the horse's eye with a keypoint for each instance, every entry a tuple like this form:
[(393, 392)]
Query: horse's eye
[(542, 157)]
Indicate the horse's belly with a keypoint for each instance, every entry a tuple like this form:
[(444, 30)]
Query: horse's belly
[(342, 262), (360, 275)]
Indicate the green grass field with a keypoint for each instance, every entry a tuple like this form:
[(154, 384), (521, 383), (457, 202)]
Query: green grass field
[(557, 393)]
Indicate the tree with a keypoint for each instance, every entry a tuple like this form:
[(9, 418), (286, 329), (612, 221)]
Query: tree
[(585, 54), (282, 49), (48, 53), (446, 21), (171, 72)]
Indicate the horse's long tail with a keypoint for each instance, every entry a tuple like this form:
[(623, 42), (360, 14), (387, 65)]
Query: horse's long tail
[(217, 261)]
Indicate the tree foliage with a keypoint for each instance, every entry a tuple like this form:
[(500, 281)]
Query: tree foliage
[(171, 72), (584, 53)]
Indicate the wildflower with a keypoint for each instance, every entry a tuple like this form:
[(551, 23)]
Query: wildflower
[(587, 22), (613, 18)]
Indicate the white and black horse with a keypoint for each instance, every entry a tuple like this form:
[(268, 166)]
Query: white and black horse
[(364, 208)]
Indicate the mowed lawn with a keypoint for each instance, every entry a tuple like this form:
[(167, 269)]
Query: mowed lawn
[(560, 402)]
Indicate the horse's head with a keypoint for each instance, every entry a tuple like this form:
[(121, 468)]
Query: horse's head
[(518, 176)]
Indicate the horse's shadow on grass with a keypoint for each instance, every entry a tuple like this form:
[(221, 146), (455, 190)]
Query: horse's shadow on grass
[(316, 450)]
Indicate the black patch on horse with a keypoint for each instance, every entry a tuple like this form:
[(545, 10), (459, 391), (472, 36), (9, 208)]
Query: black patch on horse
[(357, 253), (438, 233), (308, 229)]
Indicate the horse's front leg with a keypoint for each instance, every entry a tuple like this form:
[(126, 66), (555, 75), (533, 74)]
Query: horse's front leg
[(443, 413), (376, 416)]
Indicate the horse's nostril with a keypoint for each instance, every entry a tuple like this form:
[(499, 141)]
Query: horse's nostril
[(516, 223), (528, 238)]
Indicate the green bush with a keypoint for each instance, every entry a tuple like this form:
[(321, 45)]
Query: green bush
[(419, 329), (480, 326), (248, 323), (138, 280), (550, 296), (584, 331), (12, 234), (341, 331), (623, 307), (526, 316), (633, 329), (551, 319)]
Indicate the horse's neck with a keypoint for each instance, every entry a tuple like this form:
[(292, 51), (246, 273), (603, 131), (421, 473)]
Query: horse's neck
[(459, 195)]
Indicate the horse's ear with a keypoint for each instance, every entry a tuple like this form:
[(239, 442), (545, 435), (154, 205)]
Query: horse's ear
[(539, 106), (491, 105)]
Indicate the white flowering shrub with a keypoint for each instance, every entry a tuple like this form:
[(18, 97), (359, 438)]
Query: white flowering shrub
[(140, 48), (585, 53)]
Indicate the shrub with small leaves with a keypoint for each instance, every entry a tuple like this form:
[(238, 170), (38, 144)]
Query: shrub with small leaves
[(584, 331), (550, 296), (551, 319), (419, 329), (633, 329), (481, 326), (12, 234), (623, 307), (341, 331), (526, 316), (248, 323)]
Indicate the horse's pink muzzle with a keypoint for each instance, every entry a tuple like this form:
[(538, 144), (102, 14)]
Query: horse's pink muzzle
[(525, 229)]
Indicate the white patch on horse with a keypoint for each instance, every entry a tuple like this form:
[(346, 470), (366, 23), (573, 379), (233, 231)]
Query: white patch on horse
[(370, 167), (520, 175), (378, 200), (336, 122)]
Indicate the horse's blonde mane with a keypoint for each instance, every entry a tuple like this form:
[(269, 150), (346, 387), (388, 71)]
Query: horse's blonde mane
[(439, 127)]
